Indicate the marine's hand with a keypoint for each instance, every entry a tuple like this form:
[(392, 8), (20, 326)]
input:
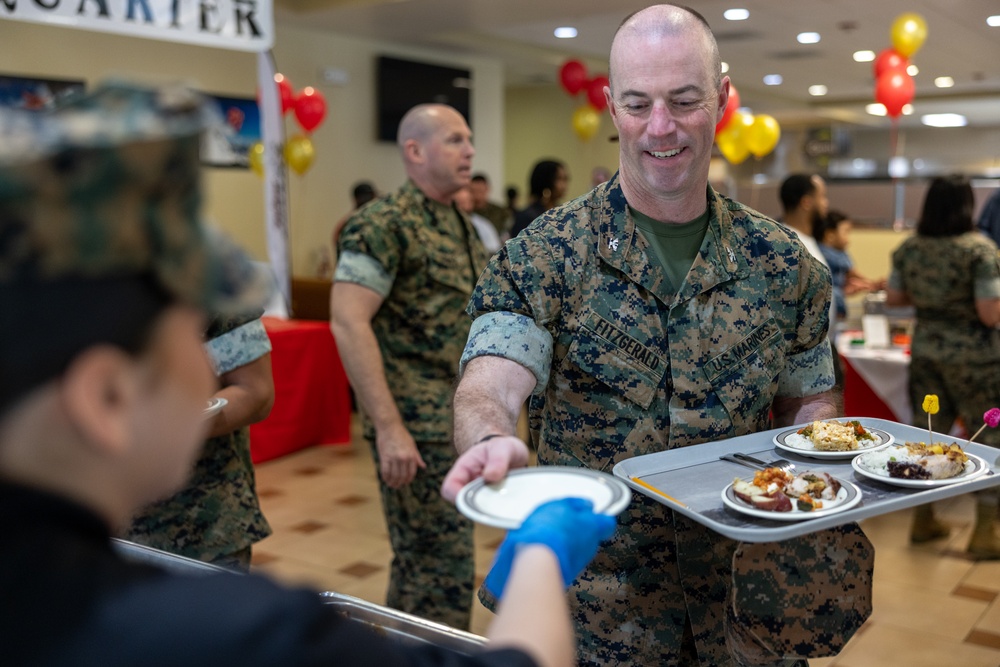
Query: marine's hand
[(490, 460), (398, 456), (569, 527)]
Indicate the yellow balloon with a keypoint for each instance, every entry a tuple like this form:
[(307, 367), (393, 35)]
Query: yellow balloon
[(762, 136), (908, 33), (256, 157), (299, 153), (732, 138), (586, 122)]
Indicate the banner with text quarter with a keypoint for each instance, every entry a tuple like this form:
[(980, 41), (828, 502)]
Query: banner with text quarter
[(275, 187), (245, 25)]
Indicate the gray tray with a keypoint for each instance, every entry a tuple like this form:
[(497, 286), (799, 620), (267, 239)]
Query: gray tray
[(694, 478), (403, 627)]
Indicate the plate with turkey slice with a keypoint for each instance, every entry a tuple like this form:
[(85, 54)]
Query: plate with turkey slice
[(847, 496), (876, 465)]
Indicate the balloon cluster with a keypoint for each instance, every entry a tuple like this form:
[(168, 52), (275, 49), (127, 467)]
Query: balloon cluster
[(574, 79), (894, 87), (309, 109), (740, 134)]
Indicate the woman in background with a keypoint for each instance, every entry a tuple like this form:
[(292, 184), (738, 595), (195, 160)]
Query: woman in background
[(950, 273), (547, 188)]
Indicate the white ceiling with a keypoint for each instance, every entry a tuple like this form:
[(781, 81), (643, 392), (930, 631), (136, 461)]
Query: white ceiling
[(519, 32)]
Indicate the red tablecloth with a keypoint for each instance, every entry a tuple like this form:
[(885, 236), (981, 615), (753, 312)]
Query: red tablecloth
[(859, 399), (312, 400)]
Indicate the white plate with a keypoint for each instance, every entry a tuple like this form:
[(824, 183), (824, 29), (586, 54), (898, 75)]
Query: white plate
[(507, 503), (791, 441), (215, 406), (848, 496), (974, 468)]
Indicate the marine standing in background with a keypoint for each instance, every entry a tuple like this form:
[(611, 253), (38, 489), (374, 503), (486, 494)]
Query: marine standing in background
[(407, 265), (499, 216), (952, 275), (216, 517), (653, 313)]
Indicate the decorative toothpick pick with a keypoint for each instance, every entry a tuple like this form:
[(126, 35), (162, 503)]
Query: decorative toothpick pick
[(931, 408), (991, 418)]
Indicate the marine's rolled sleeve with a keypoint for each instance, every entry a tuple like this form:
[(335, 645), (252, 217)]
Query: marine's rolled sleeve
[(354, 267), (511, 336), (238, 347), (516, 296)]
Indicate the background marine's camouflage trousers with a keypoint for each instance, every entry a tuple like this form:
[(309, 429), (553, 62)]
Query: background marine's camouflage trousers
[(963, 390), (432, 572)]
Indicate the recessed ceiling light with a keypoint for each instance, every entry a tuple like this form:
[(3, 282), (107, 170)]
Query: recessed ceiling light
[(736, 14), (913, 70), (907, 109), (876, 109), (944, 120), (807, 37), (773, 80), (818, 90), (944, 82), (864, 56), (993, 21), (725, 67), (565, 32)]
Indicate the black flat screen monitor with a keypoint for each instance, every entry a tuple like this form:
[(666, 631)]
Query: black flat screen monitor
[(403, 84)]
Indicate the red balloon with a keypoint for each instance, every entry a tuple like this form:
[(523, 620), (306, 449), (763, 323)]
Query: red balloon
[(595, 92), (286, 92), (310, 108), (889, 60), (731, 107), (573, 76), (894, 89)]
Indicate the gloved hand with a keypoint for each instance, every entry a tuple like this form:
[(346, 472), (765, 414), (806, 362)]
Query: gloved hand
[(569, 527)]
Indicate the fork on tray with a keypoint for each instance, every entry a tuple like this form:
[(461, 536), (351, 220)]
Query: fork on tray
[(757, 464)]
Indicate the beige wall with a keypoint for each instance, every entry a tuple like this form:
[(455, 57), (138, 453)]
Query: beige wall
[(346, 149), (539, 125)]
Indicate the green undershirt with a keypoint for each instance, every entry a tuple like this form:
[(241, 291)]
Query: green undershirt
[(675, 246)]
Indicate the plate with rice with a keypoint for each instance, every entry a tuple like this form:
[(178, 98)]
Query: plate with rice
[(875, 465), (832, 439)]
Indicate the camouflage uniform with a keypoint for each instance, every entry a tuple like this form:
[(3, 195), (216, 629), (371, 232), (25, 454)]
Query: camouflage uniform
[(423, 258), (215, 518), (953, 354), (625, 367)]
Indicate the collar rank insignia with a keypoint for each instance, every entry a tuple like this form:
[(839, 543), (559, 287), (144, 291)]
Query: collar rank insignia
[(613, 243)]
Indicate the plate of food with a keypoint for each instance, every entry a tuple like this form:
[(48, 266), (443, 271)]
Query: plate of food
[(780, 496), (832, 439), (918, 465), (214, 407), (507, 503)]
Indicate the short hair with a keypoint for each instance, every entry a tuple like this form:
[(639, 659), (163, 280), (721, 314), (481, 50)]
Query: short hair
[(794, 189), (713, 43), (543, 176), (948, 207), (480, 177), (363, 193), (37, 345), (829, 223)]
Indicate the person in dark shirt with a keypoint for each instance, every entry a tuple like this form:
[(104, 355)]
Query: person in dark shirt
[(548, 182), (106, 276)]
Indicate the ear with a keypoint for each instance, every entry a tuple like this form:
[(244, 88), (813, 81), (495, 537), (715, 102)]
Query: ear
[(98, 391), (612, 109), (413, 151), (723, 99)]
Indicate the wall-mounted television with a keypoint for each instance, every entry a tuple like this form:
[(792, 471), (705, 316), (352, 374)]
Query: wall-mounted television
[(403, 84)]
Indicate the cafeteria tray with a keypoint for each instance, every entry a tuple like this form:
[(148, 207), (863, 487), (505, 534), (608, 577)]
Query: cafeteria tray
[(402, 627), (690, 480), (140, 553)]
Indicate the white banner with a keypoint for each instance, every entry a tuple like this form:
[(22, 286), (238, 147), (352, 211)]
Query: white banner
[(245, 25), (272, 131)]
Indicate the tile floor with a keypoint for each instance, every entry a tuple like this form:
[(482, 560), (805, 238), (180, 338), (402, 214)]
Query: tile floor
[(933, 607)]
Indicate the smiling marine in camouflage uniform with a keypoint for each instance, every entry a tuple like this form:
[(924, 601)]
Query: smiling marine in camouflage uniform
[(580, 312)]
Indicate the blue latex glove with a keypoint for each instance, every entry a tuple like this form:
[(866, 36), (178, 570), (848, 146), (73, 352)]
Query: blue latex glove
[(569, 527)]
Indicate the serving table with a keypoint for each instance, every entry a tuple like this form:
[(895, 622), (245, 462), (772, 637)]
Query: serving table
[(312, 398)]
